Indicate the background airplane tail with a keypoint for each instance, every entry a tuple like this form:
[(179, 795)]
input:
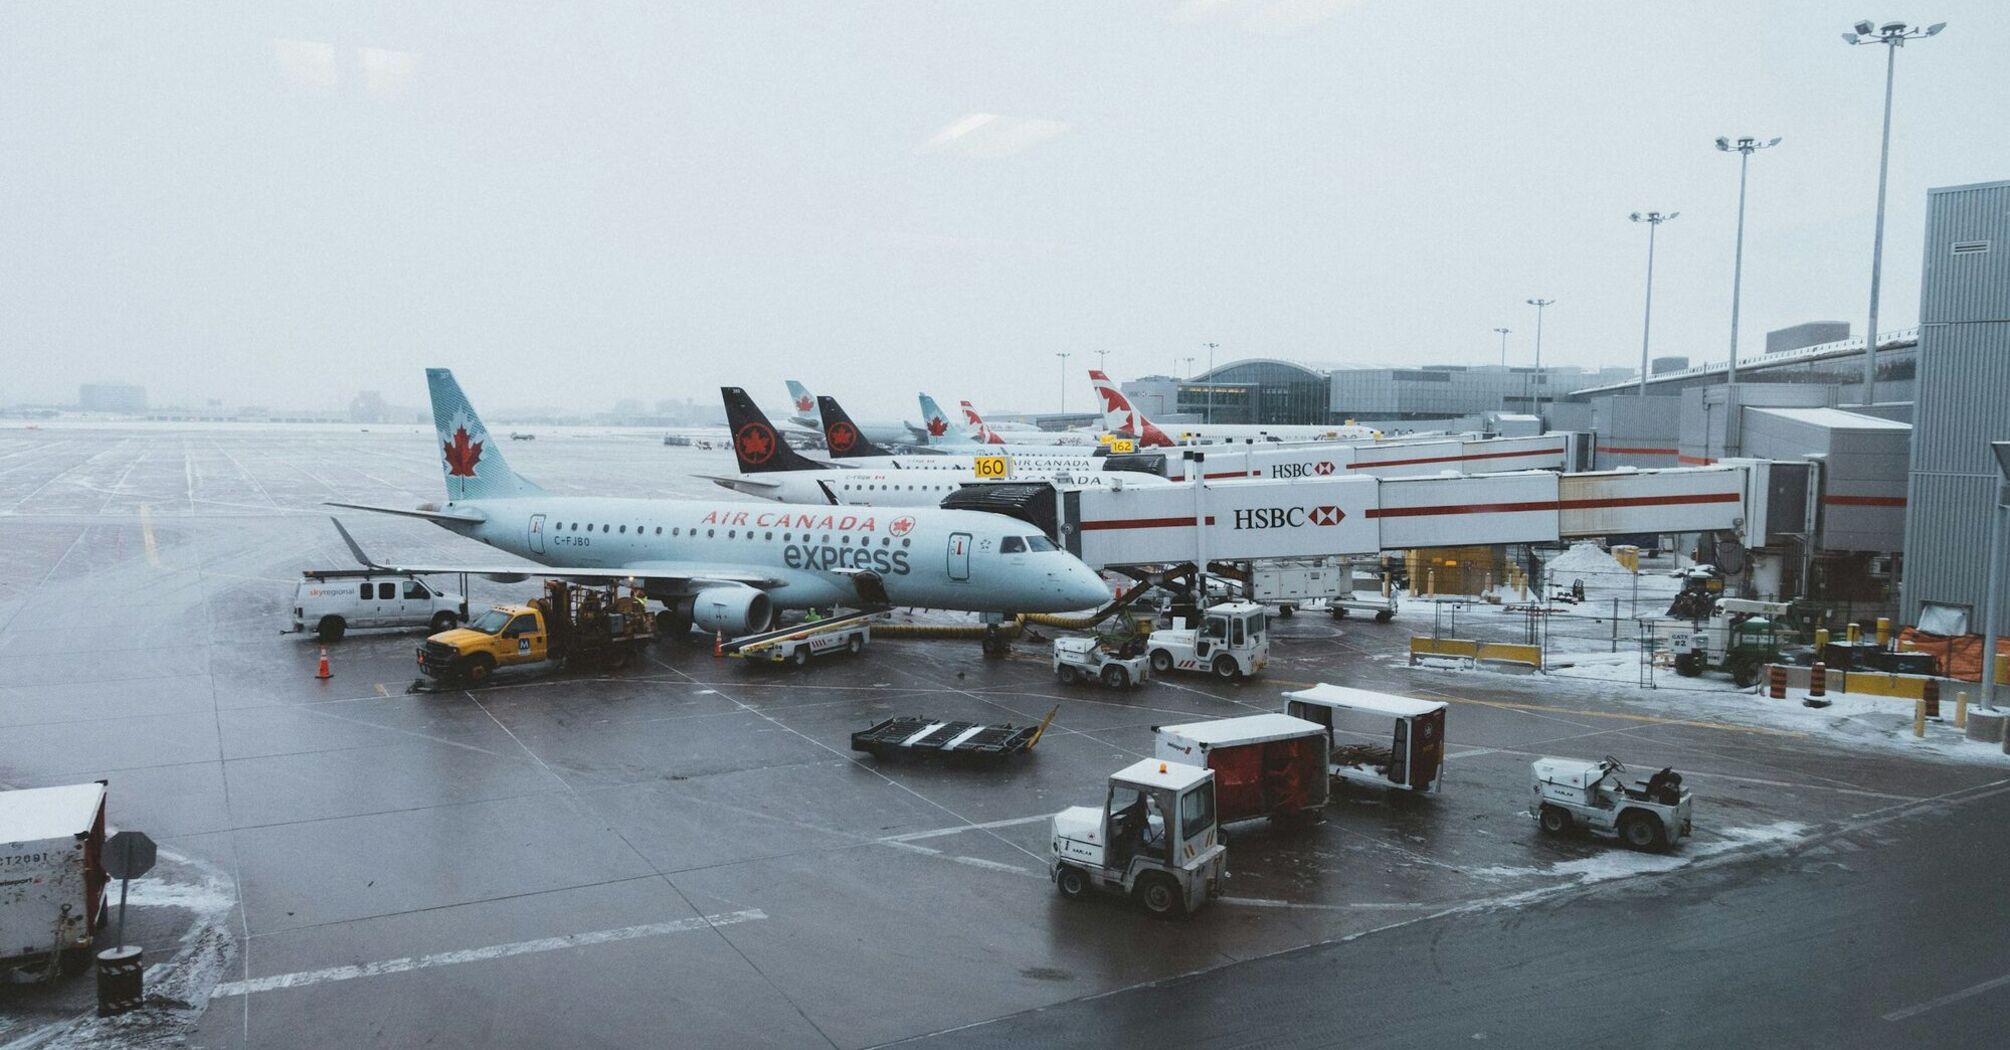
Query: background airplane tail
[(469, 458), (841, 435), (941, 428), (756, 444), (804, 405), (1122, 417), (974, 423)]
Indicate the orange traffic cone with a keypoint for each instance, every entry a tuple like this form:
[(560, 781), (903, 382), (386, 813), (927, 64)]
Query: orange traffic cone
[(324, 672), (719, 644)]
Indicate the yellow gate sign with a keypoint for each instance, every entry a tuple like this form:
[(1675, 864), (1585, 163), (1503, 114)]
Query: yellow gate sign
[(1123, 445), (991, 466)]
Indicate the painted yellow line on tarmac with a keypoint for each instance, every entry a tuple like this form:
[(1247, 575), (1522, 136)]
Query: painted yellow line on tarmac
[(1622, 716), (147, 534)]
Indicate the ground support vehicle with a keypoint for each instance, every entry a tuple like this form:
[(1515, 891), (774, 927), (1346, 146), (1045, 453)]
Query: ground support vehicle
[(328, 602), (570, 626), (1232, 641), (1651, 814), (1381, 607), (920, 735), (1739, 638), (1268, 765), (1076, 659), (52, 878), (1412, 760), (1154, 839), (850, 633)]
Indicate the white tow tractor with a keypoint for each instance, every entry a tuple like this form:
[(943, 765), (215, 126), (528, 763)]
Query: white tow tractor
[(1232, 641), (1076, 659), (1651, 814), (1154, 840)]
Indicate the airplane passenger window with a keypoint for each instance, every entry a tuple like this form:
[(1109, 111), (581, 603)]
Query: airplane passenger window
[(767, 536), (905, 542), (1011, 545), (709, 532), (659, 530), (731, 533), (624, 529)]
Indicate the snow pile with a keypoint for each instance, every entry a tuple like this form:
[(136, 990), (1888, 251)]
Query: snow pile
[(1584, 559)]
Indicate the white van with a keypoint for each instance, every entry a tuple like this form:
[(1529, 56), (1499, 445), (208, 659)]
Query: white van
[(329, 603)]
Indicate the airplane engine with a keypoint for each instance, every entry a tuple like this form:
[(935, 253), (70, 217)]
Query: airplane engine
[(505, 577), (734, 610)]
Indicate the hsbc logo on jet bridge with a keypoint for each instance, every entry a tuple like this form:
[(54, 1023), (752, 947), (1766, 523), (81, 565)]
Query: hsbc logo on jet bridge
[(1287, 517), (1321, 469)]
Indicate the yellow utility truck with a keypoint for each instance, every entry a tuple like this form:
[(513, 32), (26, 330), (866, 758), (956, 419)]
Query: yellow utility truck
[(570, 626)]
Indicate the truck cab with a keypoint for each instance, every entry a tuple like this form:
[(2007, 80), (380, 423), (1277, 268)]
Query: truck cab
[(1232, 641), (1154, 839), (330, 603)]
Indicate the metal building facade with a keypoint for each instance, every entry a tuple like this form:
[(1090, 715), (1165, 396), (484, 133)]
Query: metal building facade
[(1963, 398)]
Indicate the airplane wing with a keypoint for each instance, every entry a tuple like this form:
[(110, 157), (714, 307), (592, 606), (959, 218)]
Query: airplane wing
[(741, 482), (468, 517), (661, 571)]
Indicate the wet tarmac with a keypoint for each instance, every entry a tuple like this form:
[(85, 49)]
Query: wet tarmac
[(687, 853)]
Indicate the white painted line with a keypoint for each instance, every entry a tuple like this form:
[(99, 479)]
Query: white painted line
[(494, 951), (990, 865), (1265, 902), (935, 833), (1935, 1004)]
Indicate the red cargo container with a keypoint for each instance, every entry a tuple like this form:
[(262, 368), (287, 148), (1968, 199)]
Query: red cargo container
[(1264, 765)]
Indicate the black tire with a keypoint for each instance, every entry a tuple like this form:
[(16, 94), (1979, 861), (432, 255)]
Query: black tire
[(74, 961), (1553, 819), (801, 655), (1285, 612), (479, 668), (444, 621), (331, 628), (1745, 674), (1159, 896), (1116, 677), (1642, 831), (1069, 675), (1339, 612), (1384, 616), (1688, 665), (856, 645), (1225, 669), (1072, 881), (1161, 661)]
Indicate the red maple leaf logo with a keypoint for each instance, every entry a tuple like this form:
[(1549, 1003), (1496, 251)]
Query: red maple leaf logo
[(804, 404), (755, 443), (462, 455), (937, 426), (901, 526), (842, 437)]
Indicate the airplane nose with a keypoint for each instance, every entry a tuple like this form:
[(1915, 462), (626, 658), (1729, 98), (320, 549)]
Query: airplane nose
[(1083, 586)]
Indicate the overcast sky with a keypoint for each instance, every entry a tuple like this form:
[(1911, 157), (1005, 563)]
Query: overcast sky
[(575, 202)]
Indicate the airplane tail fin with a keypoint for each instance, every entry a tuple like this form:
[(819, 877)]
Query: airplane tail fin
[(755, 443), (975, 424), (805, 404), (841, 435), (1120, 416), (938, 424), (470, 460)]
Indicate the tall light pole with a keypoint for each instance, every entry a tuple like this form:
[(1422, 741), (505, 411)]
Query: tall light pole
[(1103, 361), (1064, 381), (1539, 304), (1893, 35), (1653, 219), (1744, 148), (1504, 363), (1210, 383)]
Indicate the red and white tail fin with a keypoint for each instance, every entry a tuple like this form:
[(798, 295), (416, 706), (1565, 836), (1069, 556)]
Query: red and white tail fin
[(1120, 416), (977, 427)]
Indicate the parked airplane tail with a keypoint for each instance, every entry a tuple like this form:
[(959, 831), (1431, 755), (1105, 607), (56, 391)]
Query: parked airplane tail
[(755, 443), (975, 424), (842, 435), (939, 426), (805, 404), (470, 460), (1120, 416)]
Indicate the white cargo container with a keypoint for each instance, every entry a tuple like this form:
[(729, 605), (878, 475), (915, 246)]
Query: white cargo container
[(52, 878)]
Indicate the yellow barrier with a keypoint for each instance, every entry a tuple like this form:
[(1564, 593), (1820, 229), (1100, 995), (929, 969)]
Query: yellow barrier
[(2003, 668), (1508, 653), (1456, 648), (1879, 683)]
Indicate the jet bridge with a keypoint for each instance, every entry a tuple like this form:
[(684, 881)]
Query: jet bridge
[(1258, 519)]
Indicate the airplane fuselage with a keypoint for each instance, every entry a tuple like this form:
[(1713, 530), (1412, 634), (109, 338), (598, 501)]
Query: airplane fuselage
[(926, 558)]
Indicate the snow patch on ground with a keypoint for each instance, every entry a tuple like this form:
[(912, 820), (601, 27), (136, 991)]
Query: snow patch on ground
[(1620, 863)]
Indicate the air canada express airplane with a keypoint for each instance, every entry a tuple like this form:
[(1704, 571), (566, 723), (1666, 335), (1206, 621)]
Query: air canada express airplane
[(726, 566)]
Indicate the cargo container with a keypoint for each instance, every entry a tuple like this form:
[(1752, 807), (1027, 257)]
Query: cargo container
[(1413, 757), (52, 878), (1264, 765)]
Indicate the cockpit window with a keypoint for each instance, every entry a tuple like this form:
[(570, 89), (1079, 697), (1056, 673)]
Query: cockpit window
[(1011, 545), (1039, 543)]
